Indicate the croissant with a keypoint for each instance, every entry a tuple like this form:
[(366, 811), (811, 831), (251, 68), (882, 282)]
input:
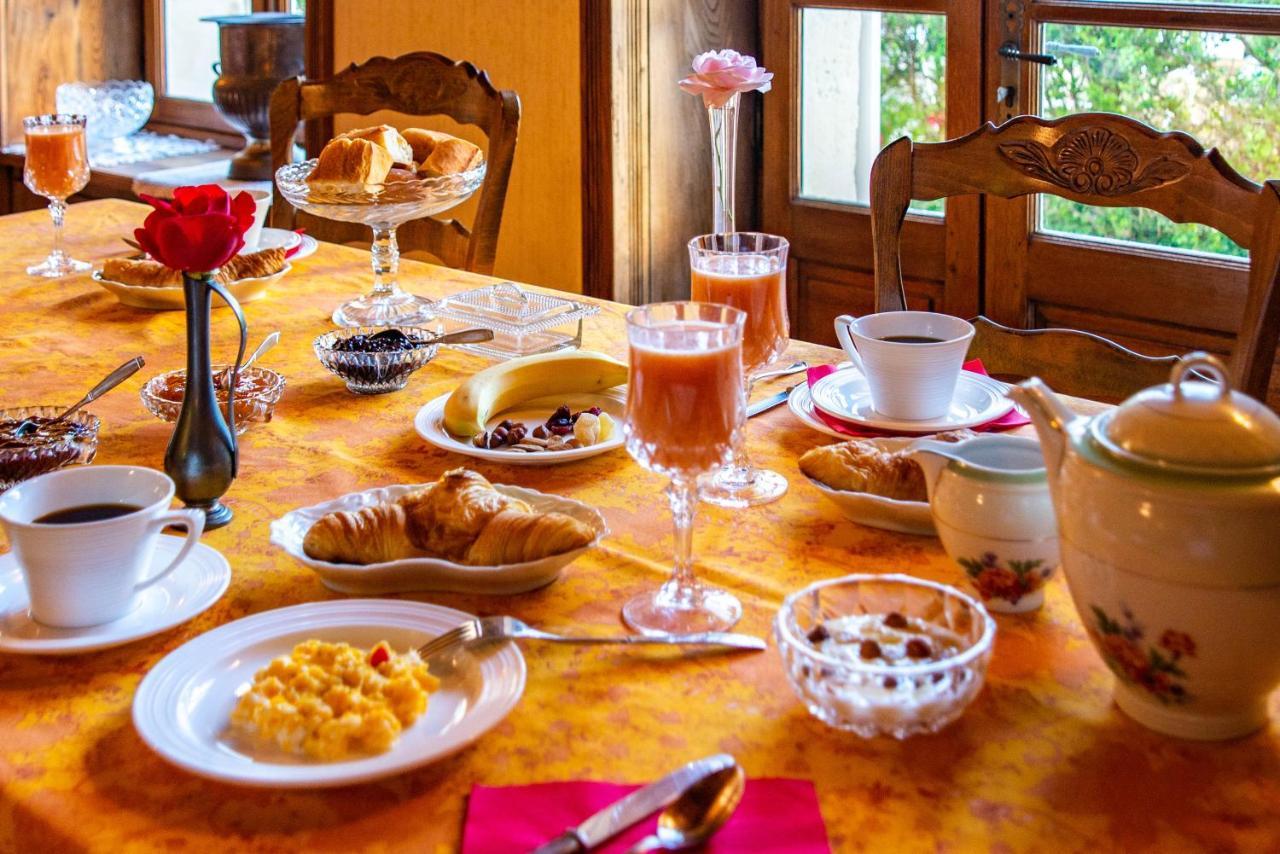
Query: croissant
[(252, 265), (461, 518), (368, 535), (861, 466)]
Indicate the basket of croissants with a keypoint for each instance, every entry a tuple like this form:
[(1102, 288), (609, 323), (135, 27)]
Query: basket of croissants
[(461, 533)]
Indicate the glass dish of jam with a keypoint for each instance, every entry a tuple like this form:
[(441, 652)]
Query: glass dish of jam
[(51, 446), (375, 359), (257, 392)]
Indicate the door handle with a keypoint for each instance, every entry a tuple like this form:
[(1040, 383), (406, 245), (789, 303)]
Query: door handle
[(1009, 50)]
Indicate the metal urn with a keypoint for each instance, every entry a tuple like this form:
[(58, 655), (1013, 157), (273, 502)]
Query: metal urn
[(258, 51)]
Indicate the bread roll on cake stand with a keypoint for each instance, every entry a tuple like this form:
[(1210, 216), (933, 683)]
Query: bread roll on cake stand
[(382, 207)]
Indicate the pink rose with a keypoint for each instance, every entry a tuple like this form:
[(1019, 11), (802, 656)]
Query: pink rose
[(719, 75)]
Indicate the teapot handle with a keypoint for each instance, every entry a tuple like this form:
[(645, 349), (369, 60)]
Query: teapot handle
[(1206, 365)]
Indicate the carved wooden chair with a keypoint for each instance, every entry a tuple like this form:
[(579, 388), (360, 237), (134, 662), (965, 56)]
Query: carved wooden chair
[(417, 84), (1167, 172)]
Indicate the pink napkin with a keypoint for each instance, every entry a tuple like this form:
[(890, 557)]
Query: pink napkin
[(775, 817), (1012, 418)]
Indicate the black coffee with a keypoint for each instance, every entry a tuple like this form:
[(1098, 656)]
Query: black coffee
[(87, 513), (911, 339)]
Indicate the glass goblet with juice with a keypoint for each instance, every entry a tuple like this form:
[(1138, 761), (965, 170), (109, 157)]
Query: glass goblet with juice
[(685, 408), (748, 271), (56, 167)]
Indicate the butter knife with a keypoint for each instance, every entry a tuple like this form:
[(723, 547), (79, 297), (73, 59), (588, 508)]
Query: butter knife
[(617, 817), (767, 403)]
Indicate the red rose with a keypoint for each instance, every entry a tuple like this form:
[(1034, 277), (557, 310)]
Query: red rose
[(199, 231)]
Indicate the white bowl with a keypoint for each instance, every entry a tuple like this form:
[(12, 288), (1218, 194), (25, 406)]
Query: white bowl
[(428, 573)]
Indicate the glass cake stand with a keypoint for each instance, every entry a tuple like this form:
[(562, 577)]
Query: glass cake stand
[(382, 207)]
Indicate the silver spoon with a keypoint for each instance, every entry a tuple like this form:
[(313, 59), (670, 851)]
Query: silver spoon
[(113, 379), (701, 810), (462, 336), (267, 343)]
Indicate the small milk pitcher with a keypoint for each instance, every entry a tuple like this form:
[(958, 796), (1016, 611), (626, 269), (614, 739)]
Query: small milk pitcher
[(990, 501)]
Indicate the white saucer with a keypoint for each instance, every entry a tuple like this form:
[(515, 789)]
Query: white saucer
[(183, 706), (197, 583), (847, 396), (286, 240), (429, 422)]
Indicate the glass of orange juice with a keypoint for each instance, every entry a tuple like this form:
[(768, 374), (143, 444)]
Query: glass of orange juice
[(685, 408), (57, 167), (748, 271)]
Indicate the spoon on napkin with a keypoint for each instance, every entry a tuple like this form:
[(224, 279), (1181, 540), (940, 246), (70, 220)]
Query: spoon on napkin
[(702, 809), (113, 379)]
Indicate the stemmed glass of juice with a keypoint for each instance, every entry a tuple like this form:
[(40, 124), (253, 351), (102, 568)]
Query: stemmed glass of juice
[(685, 408), (57, 167), (748, 271)]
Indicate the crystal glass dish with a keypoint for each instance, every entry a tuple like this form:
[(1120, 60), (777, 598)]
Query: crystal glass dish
[(114, 108), (884, 654), (523, 322), (374, 372), (22, 459), (382, 207), (258, 392)]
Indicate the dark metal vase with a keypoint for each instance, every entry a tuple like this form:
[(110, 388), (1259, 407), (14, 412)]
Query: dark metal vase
[(203, 457)]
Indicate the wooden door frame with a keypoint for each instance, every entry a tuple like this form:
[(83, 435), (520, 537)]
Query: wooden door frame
[(947, 252)]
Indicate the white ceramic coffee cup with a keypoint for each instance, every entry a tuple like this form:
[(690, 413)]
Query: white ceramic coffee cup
[(262, 201), (86, 573), (913, 382)]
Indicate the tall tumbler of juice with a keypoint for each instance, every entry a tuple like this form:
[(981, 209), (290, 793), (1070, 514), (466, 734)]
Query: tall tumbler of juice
[(747, 271), (56, 167), (685, 409)]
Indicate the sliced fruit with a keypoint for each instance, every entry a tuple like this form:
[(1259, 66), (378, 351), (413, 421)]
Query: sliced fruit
[(508, 384)]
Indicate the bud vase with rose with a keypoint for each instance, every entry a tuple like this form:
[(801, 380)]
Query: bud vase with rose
[(196, 233)]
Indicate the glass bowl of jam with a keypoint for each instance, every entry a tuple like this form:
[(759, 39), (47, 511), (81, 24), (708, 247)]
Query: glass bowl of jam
[(51, 446), (258, 390), (884, 654), (376, 359)]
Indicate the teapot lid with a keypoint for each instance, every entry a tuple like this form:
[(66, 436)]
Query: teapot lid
[(1193, 426)]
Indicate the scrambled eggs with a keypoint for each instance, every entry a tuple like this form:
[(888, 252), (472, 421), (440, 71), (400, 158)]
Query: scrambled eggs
[(330, 700)]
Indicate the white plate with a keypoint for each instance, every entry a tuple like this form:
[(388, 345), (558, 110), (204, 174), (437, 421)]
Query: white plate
[(427, 573), (183, 706), (429, 422), (193, 586), (876, 511), (285, 239), (847, 396)]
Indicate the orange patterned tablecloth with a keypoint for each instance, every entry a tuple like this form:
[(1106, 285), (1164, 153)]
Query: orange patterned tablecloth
[(1042, 761)]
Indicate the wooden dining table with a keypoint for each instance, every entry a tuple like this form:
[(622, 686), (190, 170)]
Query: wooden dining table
[(1043, 760)]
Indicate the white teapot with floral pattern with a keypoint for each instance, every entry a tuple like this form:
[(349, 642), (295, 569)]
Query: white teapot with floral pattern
[(1168, 512)]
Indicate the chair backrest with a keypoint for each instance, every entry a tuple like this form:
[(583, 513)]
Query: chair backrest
[(1070, 361), (418, 84), (1097, 159)]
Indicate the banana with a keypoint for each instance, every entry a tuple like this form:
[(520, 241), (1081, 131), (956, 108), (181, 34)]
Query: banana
[(507, 384)]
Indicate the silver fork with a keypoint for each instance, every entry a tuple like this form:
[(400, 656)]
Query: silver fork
[(491, 629)]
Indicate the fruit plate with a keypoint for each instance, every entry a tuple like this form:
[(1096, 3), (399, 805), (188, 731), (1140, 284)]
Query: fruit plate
[(429, 422), (428, 573), (876, 511), (169, 298), (183, 705)]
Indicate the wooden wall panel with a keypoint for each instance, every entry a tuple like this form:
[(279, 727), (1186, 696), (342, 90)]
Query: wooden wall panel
[(47, 42), (532, 47), (822, 292)]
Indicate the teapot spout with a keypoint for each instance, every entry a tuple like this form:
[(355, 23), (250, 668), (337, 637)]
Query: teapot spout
[(1051, 417)]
